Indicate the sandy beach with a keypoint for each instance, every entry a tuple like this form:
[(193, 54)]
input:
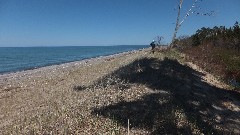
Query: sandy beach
[(25, 93), (155, 92)]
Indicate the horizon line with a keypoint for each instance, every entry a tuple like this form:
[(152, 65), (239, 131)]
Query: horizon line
[(72, 45)]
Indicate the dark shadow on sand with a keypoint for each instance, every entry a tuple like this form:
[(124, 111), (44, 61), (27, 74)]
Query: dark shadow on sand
[(178, 88)]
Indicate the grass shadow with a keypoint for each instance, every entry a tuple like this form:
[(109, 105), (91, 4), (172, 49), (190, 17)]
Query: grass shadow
[(183, 102)]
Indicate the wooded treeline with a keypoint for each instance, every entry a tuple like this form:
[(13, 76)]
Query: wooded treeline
[(215, 49), (219, 36)]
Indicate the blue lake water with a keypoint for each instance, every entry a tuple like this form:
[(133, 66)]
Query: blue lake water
[(14, 59)]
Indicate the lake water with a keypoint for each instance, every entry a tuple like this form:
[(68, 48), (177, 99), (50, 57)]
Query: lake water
[(14, 59)]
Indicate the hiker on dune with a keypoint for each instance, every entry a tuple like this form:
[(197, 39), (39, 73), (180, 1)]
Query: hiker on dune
[(153, 45)]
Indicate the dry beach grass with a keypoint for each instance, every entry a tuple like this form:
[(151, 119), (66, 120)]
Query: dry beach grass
[(158, 93)]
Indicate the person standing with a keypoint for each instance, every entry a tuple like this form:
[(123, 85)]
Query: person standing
[(153, 45)]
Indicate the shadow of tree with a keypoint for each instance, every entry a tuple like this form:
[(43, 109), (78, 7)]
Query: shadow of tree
[(182, 104)]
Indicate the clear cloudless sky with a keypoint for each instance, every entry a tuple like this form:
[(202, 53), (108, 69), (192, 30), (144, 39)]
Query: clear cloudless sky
[(104, 22)]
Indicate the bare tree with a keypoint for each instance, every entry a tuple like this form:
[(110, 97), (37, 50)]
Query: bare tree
[(177, 22), (190, 11), (158, 40)]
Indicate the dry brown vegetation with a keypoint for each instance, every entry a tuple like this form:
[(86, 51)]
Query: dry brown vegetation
[(216, 50), (222, 62), (158, 93)]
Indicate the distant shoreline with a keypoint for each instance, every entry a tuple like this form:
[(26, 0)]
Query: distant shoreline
[(64, 64), (59, 62), (67, 46)]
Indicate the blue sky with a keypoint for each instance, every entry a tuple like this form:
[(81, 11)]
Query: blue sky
[(104, 22)]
